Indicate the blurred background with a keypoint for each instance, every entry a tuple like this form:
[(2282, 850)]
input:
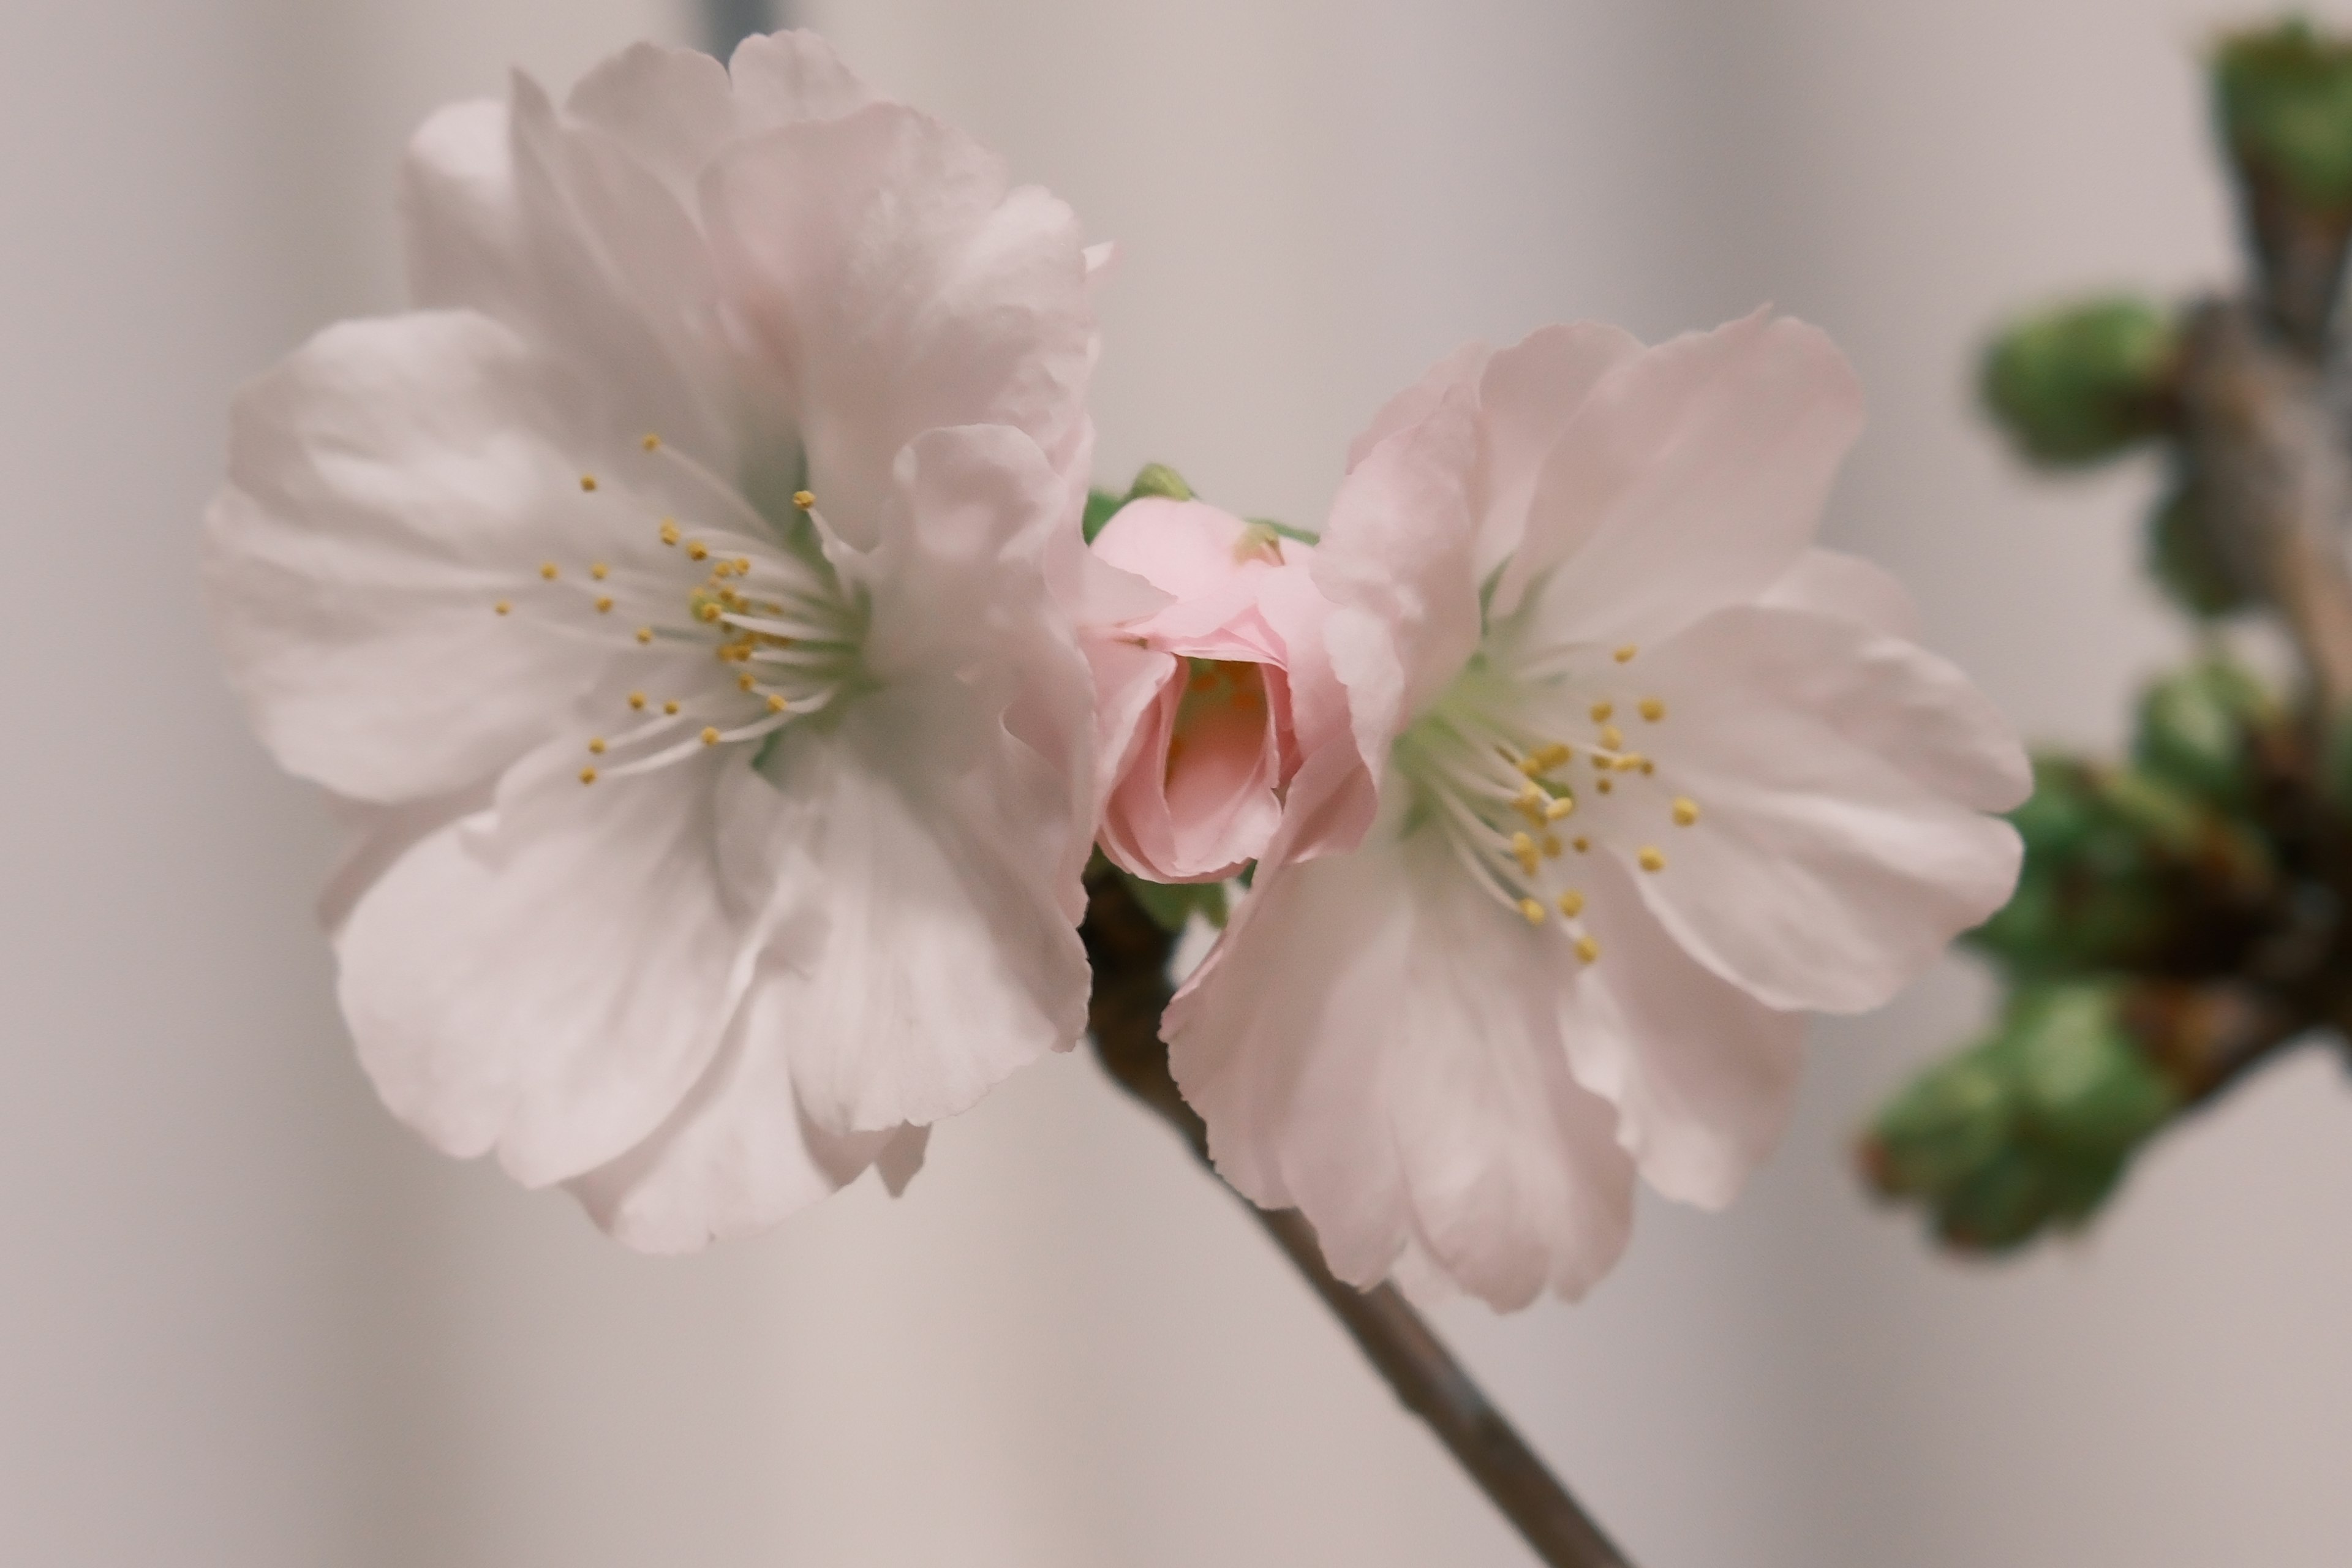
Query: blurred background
[(245, 1319)]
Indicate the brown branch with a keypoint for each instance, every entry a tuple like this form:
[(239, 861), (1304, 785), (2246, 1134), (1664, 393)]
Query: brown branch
[(1129, 952), (2269, 458)]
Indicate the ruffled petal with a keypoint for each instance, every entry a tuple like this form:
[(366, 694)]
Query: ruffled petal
[(1396, 564), (388, 484), (949, 814), (1374, 1042), (1526, 395), (1692, 477), (1701, 1074), (781, 79), (549, 978), (883, 262), (670, 110), (1839, 776)]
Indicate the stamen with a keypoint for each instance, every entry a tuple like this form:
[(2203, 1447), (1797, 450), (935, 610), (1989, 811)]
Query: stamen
[(1533, 910), (636, 700), (587, 775), (652, 442), (644, 634), (1524, 849), (1652, 710), (802, 499), (1571, 903), (1610, 736), (1580, 845), (596, 745), (697, 551), (1685, 811), (603, 604), (598, 570), (776, 704), (669, 530), (709, 735), (1650, 859), (1552, 846), (1559, 808), (670, 706), (1606, 785), (1625, 655), (504, 606), (1588, 949), (1601, 712), (587, 482), (547, 570)]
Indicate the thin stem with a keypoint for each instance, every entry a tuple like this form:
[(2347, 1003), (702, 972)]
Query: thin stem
[(1129, 952)]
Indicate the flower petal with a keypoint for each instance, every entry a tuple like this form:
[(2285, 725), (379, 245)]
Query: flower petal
[(1374, 1041), (1692, 477), (885, 265), (1701, 1074), (669, 109), (738, 1155), (1831, 583), (1841, 776), (1396, 564), (1526, 395), (388, 484), (781, 79), (550, 978)]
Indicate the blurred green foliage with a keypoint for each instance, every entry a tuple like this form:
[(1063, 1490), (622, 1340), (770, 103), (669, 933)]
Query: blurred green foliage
[(2083, 382), (2284, 97)]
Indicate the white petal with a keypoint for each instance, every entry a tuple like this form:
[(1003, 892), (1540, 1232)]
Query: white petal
[(1526, 395), (1418, 402), (884, 264), (781, 79), (738, 1155), (1374, 1042), (1831, 583), (550, 978), (1396, 564), (1701, 1073), (387, 486), (1840, 775), (1693, 477), (670, 109)]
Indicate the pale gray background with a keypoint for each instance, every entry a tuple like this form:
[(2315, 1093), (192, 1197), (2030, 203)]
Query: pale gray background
[(244, 1320)]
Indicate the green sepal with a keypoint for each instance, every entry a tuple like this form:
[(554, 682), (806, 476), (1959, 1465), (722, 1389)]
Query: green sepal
[(1159, 479), (1173, 904), (1287, 531), (2198, 729), (1101, 507), (2084, 382), (2283, 95)]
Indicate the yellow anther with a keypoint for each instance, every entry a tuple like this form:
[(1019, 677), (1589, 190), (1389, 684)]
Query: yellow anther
[(504, 606), (1524, 847), (636, 700), (1601, 712), (1544, 758), (1650, 859), (802, 499), (1531, 802), (1625, 655), (604, 603), (1586, 949), (670, 706), (1559, 808), (668, 532), (1612, 736), (1648, 767), (547, 570), (1533, 910), (743, 566), (709, 735), (644, 634), (1652, 710), (1552, 846), (599, 571), (776, 704), (1685, 811), (587, 482), (1580, 845), (709, 612), (697, 551), (724, 570), (1571, 903), (652, 442), (745, 681), (587, 775), (596, 745), (1631, 760), (1605, 785)]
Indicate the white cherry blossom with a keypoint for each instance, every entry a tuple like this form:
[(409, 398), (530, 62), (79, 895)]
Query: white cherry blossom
[(679, 597), (1655, 777)]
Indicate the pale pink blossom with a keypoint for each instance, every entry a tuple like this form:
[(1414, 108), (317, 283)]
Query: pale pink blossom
[(1212, 704), (1655, 777), (674, 594)]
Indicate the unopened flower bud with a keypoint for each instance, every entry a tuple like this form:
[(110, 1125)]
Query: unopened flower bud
[(2284, 97)]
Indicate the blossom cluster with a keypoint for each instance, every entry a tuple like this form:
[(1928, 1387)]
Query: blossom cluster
[(688, 603)]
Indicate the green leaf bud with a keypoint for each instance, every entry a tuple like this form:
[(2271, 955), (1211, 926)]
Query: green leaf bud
[(1159, 479), (1101, 507), (2188, 562), (2197, 730), (2083, 382), (2283, 95)]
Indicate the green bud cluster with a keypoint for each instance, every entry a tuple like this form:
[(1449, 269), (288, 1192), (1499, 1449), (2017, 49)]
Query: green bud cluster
[(2187, 560), (2283, 95), (2084, 382), (1151, 480), (2028, 1128)]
